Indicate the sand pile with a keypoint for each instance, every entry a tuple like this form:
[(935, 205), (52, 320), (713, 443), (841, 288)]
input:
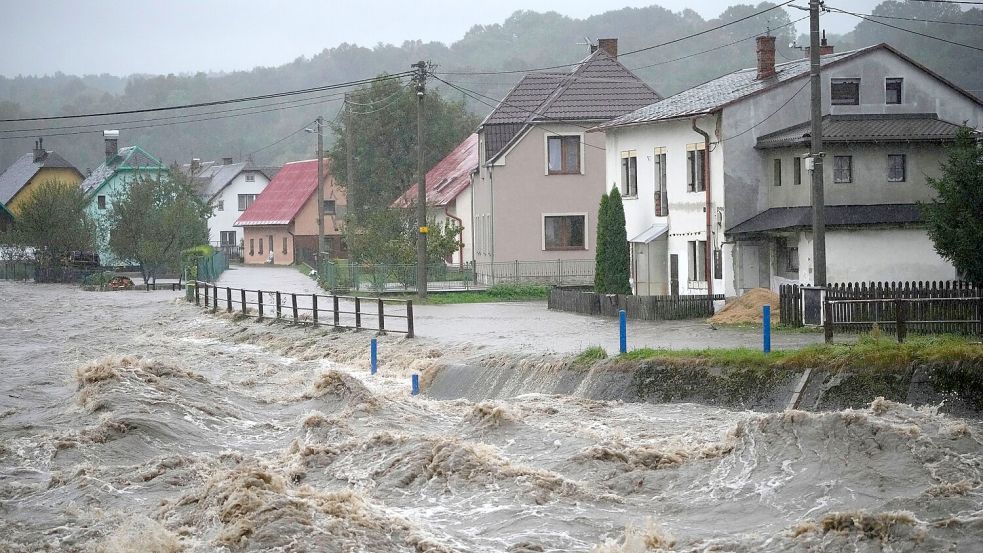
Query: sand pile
[(747, 308)]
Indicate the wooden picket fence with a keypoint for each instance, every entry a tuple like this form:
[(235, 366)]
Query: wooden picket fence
[(649, 308), (937, 307)]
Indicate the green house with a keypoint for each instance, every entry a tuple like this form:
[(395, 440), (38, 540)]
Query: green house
[(122, 168)]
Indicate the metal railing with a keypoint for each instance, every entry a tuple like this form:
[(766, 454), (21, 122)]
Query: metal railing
[(562, 272), (385, 315)]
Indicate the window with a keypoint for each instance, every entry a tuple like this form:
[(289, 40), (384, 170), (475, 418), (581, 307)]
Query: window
[(892, 90), (260, 246), (661, 199), (250, 178), (284, 245), (252, 246), (329, 207), (629, 173), (792, 260), (564, 232), (844, 92), (796, 170), (563, 155), (695, 160), (228, 237), (896, 167), (101, 201), (777, 179), (697, 259), (246, 200), (842, 168), (220, 205)]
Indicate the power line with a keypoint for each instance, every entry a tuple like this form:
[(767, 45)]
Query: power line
[(951, 2), (866, 18), (270, 145), (918, 20), (770, 115), (630, 52), (215, 102)]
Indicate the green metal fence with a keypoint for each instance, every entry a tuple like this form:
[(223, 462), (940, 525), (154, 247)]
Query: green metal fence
[(561, 272), (209, 268), (383, 277), (16, 270)]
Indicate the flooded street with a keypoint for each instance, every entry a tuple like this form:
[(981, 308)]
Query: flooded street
[(135, 422)]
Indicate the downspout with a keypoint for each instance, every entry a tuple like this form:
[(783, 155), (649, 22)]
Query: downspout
[(491, 192), (460, 237), (708, 261)]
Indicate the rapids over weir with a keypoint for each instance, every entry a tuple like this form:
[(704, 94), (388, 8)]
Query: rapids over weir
[(133, 422)]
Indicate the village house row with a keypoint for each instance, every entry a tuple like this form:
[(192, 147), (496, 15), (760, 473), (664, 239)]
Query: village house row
[(718, 171)]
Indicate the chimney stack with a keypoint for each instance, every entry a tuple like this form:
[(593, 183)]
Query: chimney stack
[(39, 153), (226, 161), (824, 48), (112, 144), (609, 46), (195, 164), (766, 57)]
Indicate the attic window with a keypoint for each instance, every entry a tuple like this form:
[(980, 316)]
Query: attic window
[(844, 92), (250, 178), (563, 155), (101, 202), (892, 90)]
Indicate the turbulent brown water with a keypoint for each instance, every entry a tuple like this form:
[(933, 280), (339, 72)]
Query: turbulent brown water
[(133, 422)]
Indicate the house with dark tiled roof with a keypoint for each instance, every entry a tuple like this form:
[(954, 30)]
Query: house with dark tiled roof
[(540, 175), (717, 178), (449, 194), (230, 188), (29, 171), (280, 226), (122, 167)]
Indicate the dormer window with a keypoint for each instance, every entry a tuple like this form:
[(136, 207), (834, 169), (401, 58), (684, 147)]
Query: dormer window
[(892, 90), (844, 92), (250, 178)]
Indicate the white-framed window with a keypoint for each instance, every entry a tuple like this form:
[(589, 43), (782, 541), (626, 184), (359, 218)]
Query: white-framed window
[(220, 205), (661, 185), (696, 158), (564, 231), (892, 90), (228, 237), (629, 174), (246, 200), (844, 92), (696, 260), (843, 169), (564, 154), (896, 170), (250, 178)]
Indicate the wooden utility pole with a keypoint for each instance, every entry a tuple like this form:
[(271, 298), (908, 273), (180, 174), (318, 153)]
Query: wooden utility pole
[(320, 186), (350, 170), (421, 185), (816, 152)]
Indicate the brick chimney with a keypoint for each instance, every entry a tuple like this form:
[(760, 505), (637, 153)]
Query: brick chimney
[(39, 152), (824, 48), (607, 45), (766, 57), (111, 139)]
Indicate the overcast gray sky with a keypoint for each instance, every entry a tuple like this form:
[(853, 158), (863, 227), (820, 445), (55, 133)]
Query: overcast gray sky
[(181, 36)]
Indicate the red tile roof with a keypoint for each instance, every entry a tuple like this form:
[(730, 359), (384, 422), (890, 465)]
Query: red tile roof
[(284, 197), (448, 178)]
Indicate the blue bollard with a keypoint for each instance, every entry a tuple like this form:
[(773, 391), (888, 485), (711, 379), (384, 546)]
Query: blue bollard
[(374, 349), (623, 329), (416, 384), (766, 327)]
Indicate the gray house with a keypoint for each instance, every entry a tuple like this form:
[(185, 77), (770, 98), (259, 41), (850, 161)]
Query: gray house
[(541, 176), (886, 121)]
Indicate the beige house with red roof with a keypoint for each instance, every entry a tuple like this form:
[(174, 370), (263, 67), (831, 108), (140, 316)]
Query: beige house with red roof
[(280, 227), (449, 194)]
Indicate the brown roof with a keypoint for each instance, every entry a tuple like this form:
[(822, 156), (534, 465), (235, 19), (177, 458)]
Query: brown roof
[(874, 127), (448, 178)]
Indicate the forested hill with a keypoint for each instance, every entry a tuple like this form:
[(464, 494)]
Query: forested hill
[(525, 40)]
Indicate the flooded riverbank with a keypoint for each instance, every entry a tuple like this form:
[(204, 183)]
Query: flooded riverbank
[(132, 422)]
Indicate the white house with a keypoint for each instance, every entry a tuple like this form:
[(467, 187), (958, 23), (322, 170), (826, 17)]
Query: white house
[(886, 121), (230, 188)]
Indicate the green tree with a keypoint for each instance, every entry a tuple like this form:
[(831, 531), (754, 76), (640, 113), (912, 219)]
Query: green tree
[(383, 129), (389, 237), (617, 259), (53, 222), (955, 223), (154, 220), (600, 245)]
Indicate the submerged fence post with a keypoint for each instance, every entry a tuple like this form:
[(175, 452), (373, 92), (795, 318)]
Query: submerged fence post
[(373, 355), (828, 321), (358, 312), (382, 315), (214, 298), (242, 298), (337, 316), (228, 299), (766, 327), (415, 382), (279, 310), (293, 305), (409, 318), (259, 302), (314, 308), (623, 330), (197, 295), (900, 320)]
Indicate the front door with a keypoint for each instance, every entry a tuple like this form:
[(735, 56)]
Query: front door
[(674, 274), (749, 267)]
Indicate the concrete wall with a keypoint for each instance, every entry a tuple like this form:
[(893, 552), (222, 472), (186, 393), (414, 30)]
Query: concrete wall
[(687, 210), (257, 252), (224, 219), (512, 197)]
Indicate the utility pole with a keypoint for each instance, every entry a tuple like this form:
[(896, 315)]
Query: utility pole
[(320, 186), (816, 152), (350, 169), (421, 185)]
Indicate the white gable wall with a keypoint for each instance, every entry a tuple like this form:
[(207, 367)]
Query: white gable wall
[(223, 220)]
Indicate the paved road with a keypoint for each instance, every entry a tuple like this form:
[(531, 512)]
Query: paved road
[(529, 326)]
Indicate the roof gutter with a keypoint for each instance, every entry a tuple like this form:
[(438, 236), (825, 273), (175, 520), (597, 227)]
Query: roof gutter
[(708, 251)]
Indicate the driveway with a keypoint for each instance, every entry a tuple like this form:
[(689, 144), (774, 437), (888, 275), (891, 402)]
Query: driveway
[(529, 326)]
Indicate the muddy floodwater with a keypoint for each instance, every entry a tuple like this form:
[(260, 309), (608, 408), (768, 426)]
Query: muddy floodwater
[(132, 421)]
